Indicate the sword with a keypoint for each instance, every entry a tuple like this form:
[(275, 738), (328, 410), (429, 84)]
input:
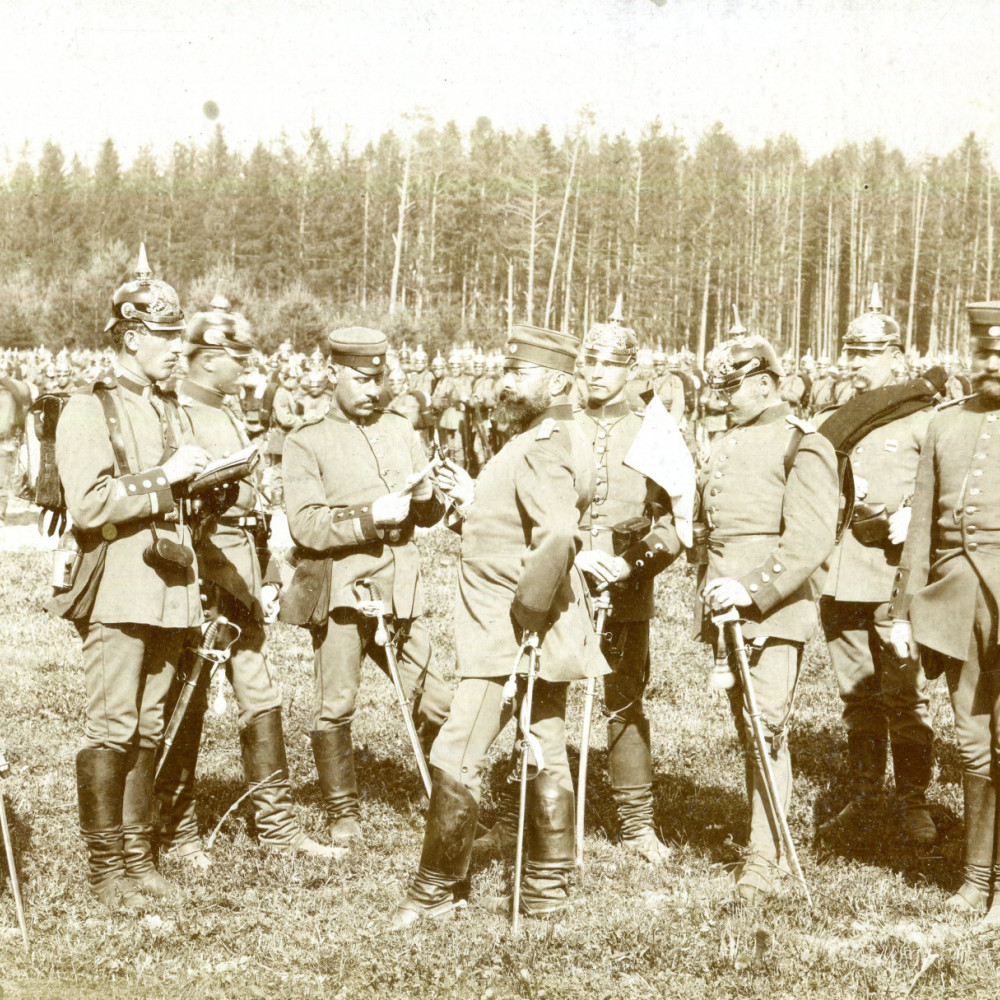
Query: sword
[(8, 847), (208, 652), (531, 644), (602, 607), (374, 608), (728, 622)]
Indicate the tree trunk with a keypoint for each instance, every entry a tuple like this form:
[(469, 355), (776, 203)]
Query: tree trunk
[(398, 237)]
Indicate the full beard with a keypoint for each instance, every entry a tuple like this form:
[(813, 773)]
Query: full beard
[(517, 412), (988, 387)]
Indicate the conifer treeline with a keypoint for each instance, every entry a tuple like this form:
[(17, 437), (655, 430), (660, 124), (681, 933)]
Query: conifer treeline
[(446, 236)]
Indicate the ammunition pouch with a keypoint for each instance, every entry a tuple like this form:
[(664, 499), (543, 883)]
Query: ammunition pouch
[(627, 533), (166, 554), (870, 524), (697, 555)]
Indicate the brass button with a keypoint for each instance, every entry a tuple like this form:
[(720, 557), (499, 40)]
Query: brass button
[(109, 532), (718, 475), (971, 510), (394, 535), (975, 491), (595, 531), (765, 578), (776, 568), (970, 529), (713, 491), (977, 472), (602, 433), (971, 546), (753, 588)]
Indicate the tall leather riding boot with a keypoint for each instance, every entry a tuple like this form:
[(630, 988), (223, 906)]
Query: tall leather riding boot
[(992, 918), (444, 860), (500, 839), (174, 788), (913, 764), (137, 825), (338, 783), (980, 830), (764, 861), (266, 769), (867, 754), (549, 846), (100, 783), (630, 767)]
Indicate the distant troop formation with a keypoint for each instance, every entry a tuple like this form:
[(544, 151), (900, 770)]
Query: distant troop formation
[(574, 473)]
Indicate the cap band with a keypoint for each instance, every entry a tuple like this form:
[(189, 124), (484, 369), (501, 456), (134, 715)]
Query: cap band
[(547, 358)]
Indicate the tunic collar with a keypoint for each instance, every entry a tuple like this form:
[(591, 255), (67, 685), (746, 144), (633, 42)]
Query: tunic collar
[(610, 411), (202, 393), (558, 411), (132, 382), (771, 415)]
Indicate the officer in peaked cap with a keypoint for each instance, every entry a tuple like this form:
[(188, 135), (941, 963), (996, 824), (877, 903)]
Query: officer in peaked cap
[(239, 584), (770, 531), (885, 699), (131, 604), (520, 533), (945, 596), (352, 509)]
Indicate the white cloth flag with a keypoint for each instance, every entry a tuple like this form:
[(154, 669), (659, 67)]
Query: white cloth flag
[(660, 454)]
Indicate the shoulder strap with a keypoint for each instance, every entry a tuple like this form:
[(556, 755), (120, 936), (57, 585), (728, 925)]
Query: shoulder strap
[(845, 476), (113, 421)]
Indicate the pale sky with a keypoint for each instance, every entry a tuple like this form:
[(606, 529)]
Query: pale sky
[(921, 73)]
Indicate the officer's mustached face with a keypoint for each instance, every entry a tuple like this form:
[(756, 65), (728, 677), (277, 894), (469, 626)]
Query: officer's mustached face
[(524, 394), (356, 393), (986, 375)]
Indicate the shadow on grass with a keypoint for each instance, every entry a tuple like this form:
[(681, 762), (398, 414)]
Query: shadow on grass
[(20, 839), (819, 753)]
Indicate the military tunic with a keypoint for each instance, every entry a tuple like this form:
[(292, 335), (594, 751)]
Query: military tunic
[(138, 614), (228, 560), (771, 533), (878, 691), (520, 535), (334, 469), (949, 575)]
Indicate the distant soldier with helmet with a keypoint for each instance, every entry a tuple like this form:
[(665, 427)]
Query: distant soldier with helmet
[(280, 414), (769, 496), (314, 399), (123, 456), (885, 699), (401, 400)]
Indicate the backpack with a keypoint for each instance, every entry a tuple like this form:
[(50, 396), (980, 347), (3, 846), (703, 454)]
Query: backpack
[(845, 474), (42, 485)]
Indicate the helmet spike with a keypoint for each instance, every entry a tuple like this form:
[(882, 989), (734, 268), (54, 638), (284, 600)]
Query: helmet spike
[(142, 265), (737, 328), (616, 314), (876, 300)]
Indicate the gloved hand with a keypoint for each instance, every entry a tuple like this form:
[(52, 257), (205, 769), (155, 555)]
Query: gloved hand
[(602, 568), (391, 509), (270, 603), (724, 592), (455, 482), (901, 640), (899, 525)]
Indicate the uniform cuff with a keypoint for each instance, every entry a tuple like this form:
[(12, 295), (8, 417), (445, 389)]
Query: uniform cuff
[(761, 584), (361, 520), (529, 618), (152, 483), (652, 554)]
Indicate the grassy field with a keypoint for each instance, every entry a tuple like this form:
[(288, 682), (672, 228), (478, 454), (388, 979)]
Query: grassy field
[(271, 927)]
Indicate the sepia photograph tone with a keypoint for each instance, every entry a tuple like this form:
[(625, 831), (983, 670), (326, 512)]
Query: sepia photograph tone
[(496, 500)]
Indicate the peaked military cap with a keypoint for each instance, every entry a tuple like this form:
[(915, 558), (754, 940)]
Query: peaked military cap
[(548, 348), (360, 348)]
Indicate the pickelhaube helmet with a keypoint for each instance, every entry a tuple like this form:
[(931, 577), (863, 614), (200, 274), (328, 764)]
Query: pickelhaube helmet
[(733, 361), (147, 300), (873, 331), (438, 363), (219, 330), (611, 341)]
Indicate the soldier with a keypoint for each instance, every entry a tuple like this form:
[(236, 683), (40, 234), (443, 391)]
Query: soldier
[(611, 558), (401, 400), (885, 699), (945, 597), (769, 498), (314, 401), (520, 535), (280, 415), (669, 387), (233, 560), (135, 591), (451, 394), (353, 500)]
